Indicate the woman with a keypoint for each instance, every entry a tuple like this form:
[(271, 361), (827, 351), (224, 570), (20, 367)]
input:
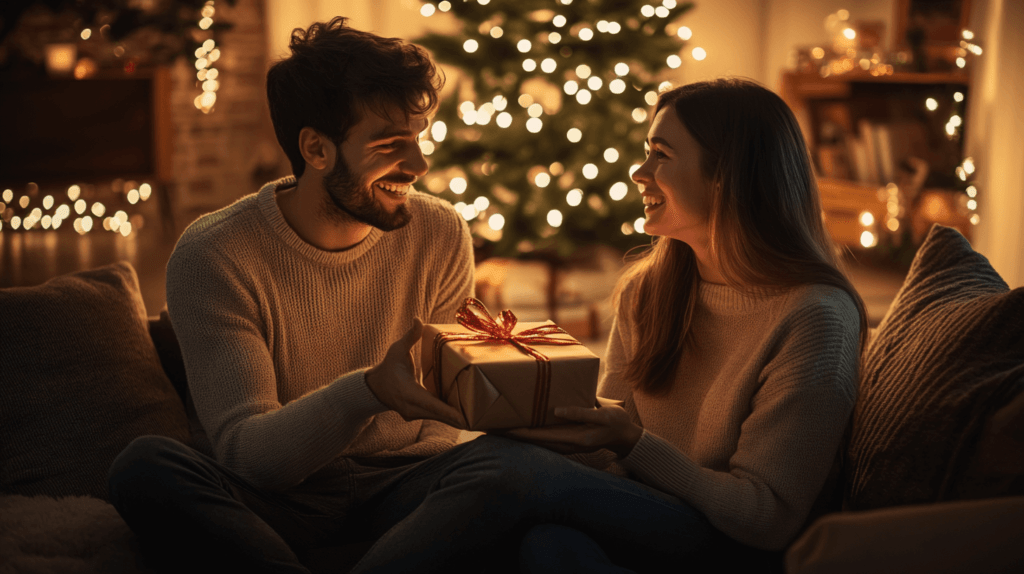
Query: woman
[(733, 358), (736, 341)]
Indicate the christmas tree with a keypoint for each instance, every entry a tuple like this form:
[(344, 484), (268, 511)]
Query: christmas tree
[(537, 144)]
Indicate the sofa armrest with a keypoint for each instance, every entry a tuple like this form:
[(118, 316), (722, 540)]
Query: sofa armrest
[(977, 536)]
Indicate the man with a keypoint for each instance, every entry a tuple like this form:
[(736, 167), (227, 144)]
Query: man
[(295, 312)]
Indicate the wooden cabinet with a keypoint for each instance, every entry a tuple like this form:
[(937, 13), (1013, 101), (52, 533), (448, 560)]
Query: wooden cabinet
[(886, 150)]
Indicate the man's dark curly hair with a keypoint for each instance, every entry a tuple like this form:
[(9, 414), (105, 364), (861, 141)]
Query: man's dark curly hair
[(335, 73)]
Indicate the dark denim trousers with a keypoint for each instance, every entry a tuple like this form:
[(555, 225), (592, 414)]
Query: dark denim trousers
[(473, 508)]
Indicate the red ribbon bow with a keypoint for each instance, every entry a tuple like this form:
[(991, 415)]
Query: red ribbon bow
[(474, 316)]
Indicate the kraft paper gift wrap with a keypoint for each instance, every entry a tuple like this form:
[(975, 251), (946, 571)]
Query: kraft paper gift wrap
[(495, 384)]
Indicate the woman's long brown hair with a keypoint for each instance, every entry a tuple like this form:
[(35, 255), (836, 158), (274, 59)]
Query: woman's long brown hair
[(765, 224)]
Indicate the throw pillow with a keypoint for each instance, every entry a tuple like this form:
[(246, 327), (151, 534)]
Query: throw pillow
[(80, 379), (946, 358)]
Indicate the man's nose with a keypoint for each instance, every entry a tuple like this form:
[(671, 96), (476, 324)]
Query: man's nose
[(415, 163)]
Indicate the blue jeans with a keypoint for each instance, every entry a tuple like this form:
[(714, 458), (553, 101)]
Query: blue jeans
[(467, 509)]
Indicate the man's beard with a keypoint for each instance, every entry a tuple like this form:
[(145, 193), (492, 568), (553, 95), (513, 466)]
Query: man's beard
[(359, 202)]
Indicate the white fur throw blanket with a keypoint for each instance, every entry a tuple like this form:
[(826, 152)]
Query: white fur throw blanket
[(73, 535)]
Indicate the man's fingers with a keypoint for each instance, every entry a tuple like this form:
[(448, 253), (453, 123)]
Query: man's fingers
[(425, 405), (579, 414), (413, 334)]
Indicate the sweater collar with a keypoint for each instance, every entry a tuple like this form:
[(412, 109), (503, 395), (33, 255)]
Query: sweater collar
[(725, 299), (276, 221)]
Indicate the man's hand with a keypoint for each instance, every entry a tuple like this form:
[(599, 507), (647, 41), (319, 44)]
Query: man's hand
[(606, 427), (395, 382)]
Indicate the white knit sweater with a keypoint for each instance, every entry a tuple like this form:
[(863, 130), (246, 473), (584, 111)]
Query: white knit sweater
[(752, 422), (277, 334)]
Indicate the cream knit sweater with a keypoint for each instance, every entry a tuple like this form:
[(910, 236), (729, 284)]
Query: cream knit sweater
[(277, 334), (750, 428)]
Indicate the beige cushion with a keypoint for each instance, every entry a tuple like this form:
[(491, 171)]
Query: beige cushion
[(947, 357), (80, 379), (977, 536)]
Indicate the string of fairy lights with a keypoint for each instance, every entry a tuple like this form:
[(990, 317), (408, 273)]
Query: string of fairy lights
[(206, 55), (581, 83), (51, 212)]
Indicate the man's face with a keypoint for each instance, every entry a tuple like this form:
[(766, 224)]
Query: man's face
[(375, 169)]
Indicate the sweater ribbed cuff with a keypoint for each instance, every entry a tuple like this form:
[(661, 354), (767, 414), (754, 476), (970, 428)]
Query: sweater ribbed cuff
[(661, 464)]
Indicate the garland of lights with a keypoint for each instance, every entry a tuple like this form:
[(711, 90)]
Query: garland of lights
[(51, 215), (206, 55)]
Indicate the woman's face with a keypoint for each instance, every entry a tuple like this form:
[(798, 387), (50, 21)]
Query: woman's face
[(677, 198)]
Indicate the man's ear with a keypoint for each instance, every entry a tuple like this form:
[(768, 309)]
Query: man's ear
[(316, 149)]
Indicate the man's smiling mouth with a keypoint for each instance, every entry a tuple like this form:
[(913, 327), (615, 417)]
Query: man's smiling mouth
[(394, 188)]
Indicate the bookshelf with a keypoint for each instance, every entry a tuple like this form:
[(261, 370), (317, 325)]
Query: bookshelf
[(865, 132)]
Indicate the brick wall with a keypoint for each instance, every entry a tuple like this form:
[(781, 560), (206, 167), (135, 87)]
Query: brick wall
[(228, 153)]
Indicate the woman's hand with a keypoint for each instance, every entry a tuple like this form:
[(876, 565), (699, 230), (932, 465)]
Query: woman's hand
[(606, 427)]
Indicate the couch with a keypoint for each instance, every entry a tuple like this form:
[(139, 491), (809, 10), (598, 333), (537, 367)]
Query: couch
[(932, 475)]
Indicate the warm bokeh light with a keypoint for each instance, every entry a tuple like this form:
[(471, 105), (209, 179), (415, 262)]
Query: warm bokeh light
[(684, 33), (86, 34), (867, 219), (611, 155), (868, 239), (554, 218), (699, 54), (534, 125), (590, 171), (427, 10), (931, 104), (470, 45), (574, 135), (458, 185), (481, 203), (617, 86), (674, 61), (524, 45), (621, 69), (583, 71), (618, 191), (583, 97), (504, 119), (638, 225), (542, 179), (574, 197), (496, 221)]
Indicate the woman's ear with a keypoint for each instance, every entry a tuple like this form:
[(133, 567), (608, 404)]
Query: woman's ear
[(316, 149)]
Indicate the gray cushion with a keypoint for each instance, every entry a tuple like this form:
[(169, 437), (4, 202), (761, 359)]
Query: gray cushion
[(946, 358), (80, 379)]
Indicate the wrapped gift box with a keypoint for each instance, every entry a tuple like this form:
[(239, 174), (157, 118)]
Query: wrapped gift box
[(494, 384)]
